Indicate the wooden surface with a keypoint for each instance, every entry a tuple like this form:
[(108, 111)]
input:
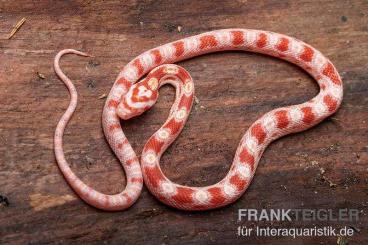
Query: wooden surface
[(233, 90)]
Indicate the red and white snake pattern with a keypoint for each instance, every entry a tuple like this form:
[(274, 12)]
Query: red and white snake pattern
[(129, 98)]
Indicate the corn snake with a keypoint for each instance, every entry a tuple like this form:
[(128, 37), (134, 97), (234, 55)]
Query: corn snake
[(129, 98)]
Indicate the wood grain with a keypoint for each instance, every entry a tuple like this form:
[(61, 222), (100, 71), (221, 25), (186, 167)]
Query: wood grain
[(233, 90)]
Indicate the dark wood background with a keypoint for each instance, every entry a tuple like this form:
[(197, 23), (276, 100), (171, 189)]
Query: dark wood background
[(324, 167)]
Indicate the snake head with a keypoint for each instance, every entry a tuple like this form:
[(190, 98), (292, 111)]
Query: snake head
[(139, 98)]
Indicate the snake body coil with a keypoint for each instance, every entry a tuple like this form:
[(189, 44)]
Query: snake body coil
[(129, 98)]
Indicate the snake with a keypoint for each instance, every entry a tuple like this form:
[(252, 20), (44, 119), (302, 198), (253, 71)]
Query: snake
[(135, 90)]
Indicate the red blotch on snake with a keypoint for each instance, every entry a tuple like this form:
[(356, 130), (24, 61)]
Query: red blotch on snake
[(330, 102), (183, 195), (179, 48), (113, 103), (154, 144), (258, 132), (262, 40), (308, 116), (238, 37), (207, 41), (329, 71), (307, 54), (282, 119), (154, 175), (283, 44), (238, 182), (156, 54), (246, 157), (137, 63), (174, 126)]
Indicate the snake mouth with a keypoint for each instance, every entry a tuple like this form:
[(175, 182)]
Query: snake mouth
[(124, 116), (124, 113)]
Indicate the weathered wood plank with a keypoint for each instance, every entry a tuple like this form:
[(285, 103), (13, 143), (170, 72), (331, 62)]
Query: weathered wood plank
[(233, 89)]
